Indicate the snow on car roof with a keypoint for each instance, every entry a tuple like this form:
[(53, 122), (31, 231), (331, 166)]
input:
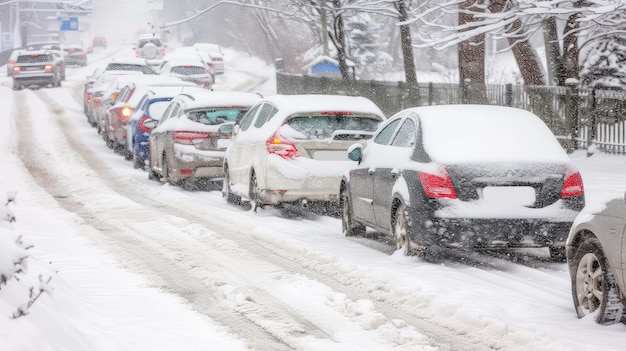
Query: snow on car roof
[(222, 98), (290, 104), (130, 60), (480, 133)]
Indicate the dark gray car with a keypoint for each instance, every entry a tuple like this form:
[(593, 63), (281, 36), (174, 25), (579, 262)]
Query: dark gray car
[(463, 176)]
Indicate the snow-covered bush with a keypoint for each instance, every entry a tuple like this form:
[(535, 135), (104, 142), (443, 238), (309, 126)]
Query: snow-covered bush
[(19, 286)]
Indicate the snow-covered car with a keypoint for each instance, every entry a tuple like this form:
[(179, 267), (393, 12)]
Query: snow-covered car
[(194, 71), (94, 91), (38, 67), (75, 55), (291, 149), (463, 176), (215, 54), (128, 91), (189, 53), (189, 143), (150, 47), (11, 62), (145, 117), (595, 257)]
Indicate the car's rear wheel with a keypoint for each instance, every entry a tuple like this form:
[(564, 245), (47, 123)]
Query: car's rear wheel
[(400, 229), (152, 174), (138, 162), (348, 225), (593, 285), (253, 192), (226, 192)]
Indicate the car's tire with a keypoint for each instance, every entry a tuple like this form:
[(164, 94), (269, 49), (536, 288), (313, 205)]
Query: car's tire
[(253, 192), (226, 193), (557, 253), (400, 230), (348, 225), (594, 289), (152, 175), (138, 162)]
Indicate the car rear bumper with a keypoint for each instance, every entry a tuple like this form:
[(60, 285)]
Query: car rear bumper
[(528, 231), (47, 78), (301, 180), (190, 163)]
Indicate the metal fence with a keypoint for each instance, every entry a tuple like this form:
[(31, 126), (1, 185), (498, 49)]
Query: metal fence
[(578, 117)]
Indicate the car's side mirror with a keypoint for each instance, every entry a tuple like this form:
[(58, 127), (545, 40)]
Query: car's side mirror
[(355, 153), (227, 128)]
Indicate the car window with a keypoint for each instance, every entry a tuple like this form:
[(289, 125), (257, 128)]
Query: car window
[(385, 135), (157, 108), (266, 113), (129, 67), (247, 118), (323, 126), (167, 113), (187, 70), (215, 115), (33, 58), (406, 135)]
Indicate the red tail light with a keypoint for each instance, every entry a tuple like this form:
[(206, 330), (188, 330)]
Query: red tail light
[(11, 62), (437, 186), (126, 112), (142, 127), (96, 101), (136, 53), (47, 67), (277, 144), (190, 138), (573, 184), (162, 51), (88, 98)]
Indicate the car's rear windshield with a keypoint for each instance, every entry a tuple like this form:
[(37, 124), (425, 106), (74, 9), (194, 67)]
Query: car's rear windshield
[(326, 126), (188, 70), (129, 67), (217, 115), (33, 58)]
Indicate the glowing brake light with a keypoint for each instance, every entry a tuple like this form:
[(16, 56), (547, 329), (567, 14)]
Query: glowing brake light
[(190, 138), (126, 112), (573, 184), (88, 98), (11, 62), (437, 186), (17, 69), (47, 67), (277, 144)]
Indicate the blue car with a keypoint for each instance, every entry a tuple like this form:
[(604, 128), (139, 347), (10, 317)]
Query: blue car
[(146, 117)]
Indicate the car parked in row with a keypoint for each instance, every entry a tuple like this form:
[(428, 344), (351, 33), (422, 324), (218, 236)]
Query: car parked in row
[(291, 149), (128, 92), (147, 114), (463, 176), (188, 70), (595, 256), (214, 56), (188, 145), (150, 47)]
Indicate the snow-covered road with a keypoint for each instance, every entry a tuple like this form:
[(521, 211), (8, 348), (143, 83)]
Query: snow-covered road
[(276, 283)]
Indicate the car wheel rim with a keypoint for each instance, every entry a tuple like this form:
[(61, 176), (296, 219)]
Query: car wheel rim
[(589, 283), (400, 228)]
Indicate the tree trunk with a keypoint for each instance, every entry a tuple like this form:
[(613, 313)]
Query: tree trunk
[(406, 42), (553, 52), (340, 40), (570, 48), (525, 55), (472, 51)]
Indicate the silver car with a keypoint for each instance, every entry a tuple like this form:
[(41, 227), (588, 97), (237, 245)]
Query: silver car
[(595, 258)]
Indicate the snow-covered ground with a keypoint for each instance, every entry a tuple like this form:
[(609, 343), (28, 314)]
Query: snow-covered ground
[(138, 265)]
